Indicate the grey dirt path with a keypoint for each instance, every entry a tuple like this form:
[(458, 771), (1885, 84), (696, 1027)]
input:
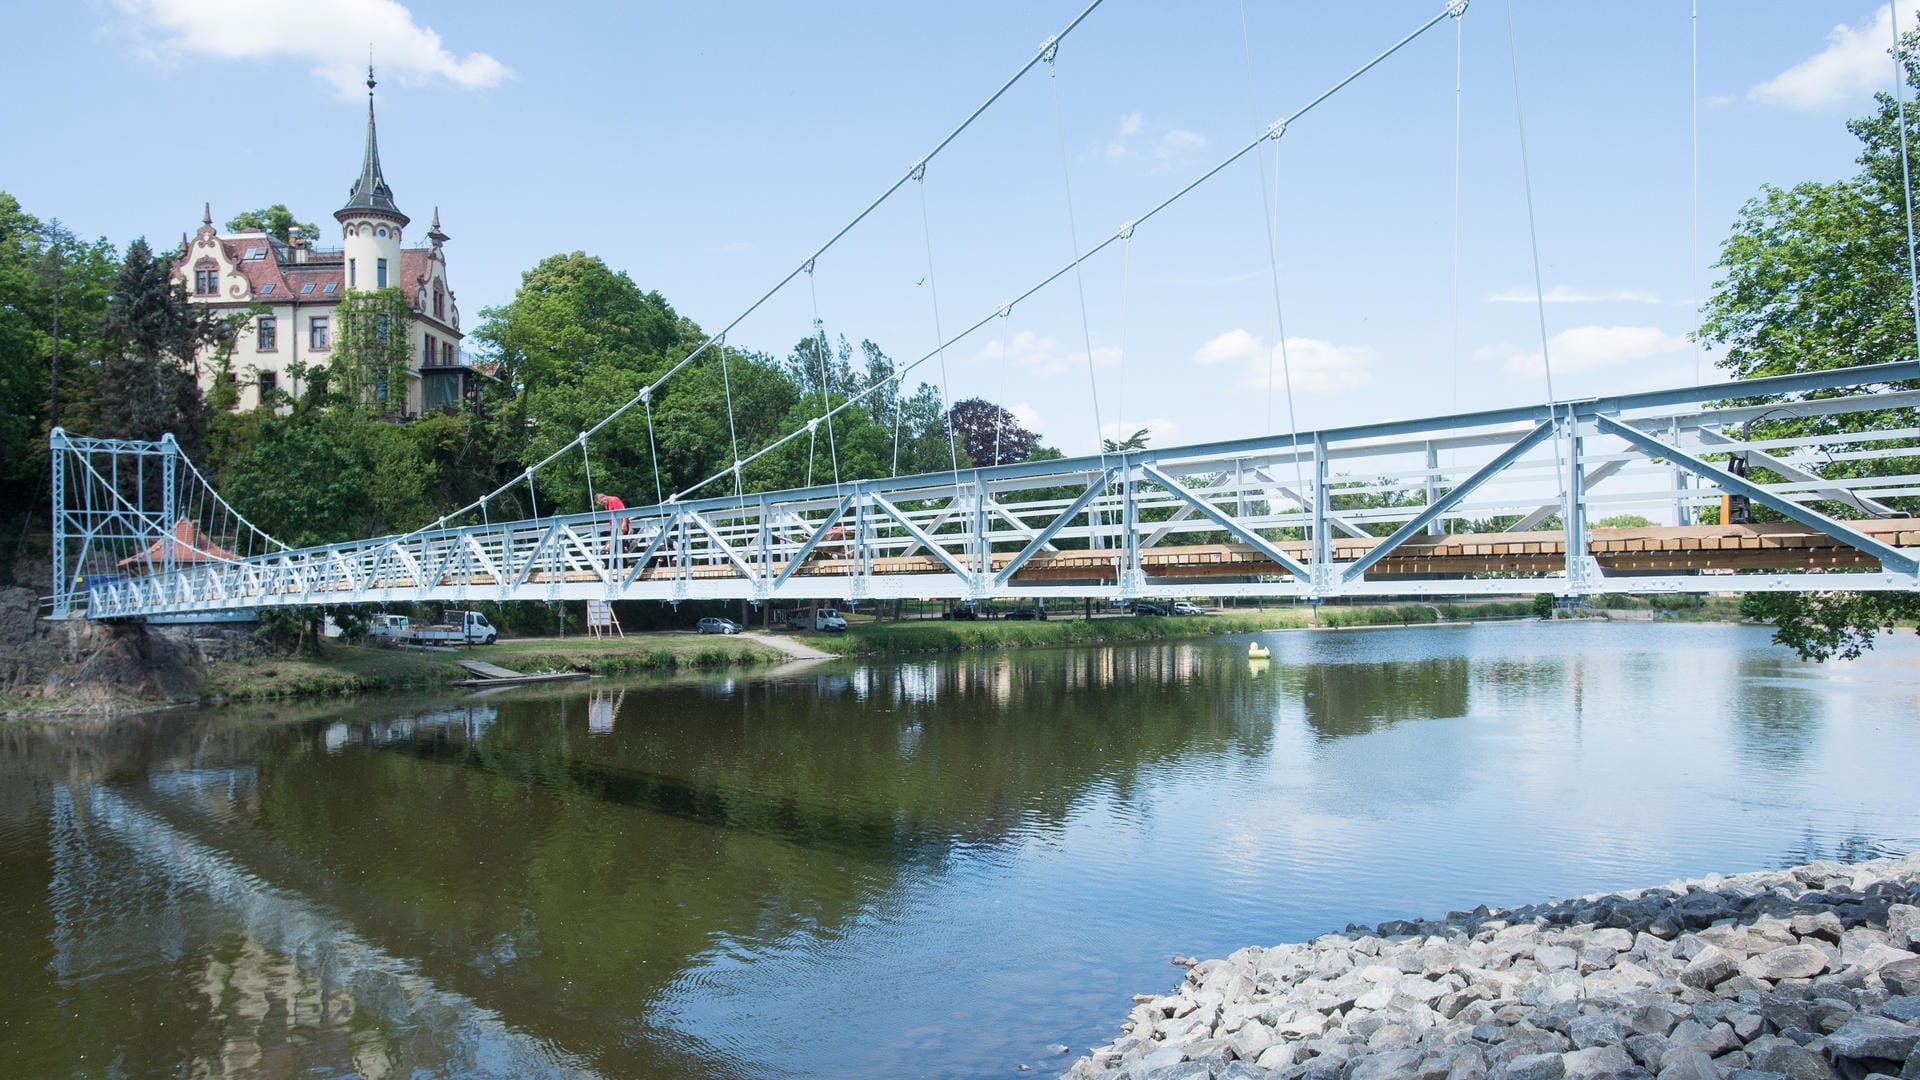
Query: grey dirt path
[(792, 646)]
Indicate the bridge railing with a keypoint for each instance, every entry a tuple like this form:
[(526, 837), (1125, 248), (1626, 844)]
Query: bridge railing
[(1355, 511)]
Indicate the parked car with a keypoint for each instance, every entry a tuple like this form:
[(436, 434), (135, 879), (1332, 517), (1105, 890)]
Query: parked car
[(1144, 608), (454, 628), (1186, 607), (717, 626)]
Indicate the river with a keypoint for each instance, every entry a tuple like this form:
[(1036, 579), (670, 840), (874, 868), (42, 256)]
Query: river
[(932, 868)]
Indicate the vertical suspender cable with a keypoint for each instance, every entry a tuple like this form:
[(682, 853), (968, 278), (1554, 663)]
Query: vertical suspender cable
[(1698, 299), (1269, 212), (1459, 56), (1526, 181), (1906, 175), (826, 383), (939, 337), (653, 450), (1533, 244), (1073, 236), (733, 432)]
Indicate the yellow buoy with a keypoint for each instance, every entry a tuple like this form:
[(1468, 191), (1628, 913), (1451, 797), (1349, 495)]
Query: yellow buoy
[(1257, 651)]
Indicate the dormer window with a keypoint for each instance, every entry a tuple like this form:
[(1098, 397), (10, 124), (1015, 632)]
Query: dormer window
[(439, 301), (206, 278)]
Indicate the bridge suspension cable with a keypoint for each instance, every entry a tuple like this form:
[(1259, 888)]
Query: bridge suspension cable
[(719, 337), (1906, 174), (1273, 131)]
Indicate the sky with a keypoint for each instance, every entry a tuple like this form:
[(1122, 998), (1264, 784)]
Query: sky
[(707, 149)]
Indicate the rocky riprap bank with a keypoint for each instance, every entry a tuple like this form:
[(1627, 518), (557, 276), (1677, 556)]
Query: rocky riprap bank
[(1811, 973)]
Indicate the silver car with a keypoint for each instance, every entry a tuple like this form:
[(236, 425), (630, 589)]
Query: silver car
[(717, 626)]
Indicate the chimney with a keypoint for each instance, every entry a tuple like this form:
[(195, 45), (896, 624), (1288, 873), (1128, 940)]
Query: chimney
[(298, 243)]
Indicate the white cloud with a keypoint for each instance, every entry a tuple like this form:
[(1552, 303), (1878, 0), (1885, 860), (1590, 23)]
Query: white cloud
[(332, 35), (1028, 416), (1160, 431), (1131, 138), (1045, 356), (1589, 348), (1854, 64), (1565, 294), (1318, 367)]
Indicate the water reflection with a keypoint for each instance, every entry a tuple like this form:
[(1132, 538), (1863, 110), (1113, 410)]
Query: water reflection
[(985, 854)]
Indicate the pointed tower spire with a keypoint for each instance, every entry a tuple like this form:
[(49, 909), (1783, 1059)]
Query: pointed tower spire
[(370, 192)]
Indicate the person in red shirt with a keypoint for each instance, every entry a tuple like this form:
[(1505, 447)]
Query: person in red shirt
[(613, 504)]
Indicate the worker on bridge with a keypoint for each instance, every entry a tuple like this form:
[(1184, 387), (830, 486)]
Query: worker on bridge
[(613, 505)]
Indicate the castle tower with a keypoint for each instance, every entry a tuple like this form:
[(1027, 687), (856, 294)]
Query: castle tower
[(370, 223)]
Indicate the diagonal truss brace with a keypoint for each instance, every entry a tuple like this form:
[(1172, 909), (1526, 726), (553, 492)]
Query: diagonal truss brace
[(813, 541), (1044, 536), (1446, 502), (1892, 558), (920, 535), (1212, 513)]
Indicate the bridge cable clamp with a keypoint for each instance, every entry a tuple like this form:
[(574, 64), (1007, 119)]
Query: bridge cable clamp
[(918, 173), (808, 267), (1050, 48), (1456, 8), (1277, 129), (1006, 309), (1126, 231)]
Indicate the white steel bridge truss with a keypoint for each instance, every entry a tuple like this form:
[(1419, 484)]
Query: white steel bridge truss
[(1302, 511)]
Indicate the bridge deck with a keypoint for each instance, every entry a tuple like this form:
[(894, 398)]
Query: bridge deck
[(1722, 548)]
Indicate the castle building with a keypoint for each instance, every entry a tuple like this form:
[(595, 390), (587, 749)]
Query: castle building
[(301, 286)]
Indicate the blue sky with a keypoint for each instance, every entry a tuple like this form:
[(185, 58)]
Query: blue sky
[(706, 148)]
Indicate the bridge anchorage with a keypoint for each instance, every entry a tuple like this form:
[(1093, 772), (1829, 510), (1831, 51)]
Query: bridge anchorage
[(1391, 509)]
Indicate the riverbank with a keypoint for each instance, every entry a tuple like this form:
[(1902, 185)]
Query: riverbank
[(931, 636), (340, 670), (1811, 973)]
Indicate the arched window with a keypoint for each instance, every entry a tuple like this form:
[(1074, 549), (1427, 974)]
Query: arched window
[(439, 301)]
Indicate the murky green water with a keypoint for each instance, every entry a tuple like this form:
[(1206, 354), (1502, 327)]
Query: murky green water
[(924, 869)]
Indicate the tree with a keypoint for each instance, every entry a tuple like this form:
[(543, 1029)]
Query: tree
[(150, 386), (1816, 276), (1135, 441), (989, 433), (276, 221), (48, 280), (371, 355)]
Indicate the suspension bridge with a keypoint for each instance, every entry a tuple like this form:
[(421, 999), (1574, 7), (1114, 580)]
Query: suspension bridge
[(1316, 514)]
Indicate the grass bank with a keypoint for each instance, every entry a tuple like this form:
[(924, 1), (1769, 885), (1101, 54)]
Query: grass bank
[(339, 670), (903, 638)]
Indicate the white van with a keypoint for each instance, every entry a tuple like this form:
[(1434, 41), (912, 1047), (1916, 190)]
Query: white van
[(816, 618)]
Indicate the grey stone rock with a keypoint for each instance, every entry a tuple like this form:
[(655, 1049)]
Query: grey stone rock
[(1829, 1014), (1710, 967), (1755, 1074), (1647, 1049), (1537, 1067), (1822, 924), (1596, 1062), (1902, 977), (1789, 962), (1790, 1059), (1182, 1070), (1653, 1019), (1873, 1037), (1905, 1009), (1690, 1067), (1600, 1030), (1554, 957), (1385, 1066)]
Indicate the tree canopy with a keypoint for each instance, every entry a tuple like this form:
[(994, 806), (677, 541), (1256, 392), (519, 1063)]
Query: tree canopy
[(1817, 276), (276, 221)]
